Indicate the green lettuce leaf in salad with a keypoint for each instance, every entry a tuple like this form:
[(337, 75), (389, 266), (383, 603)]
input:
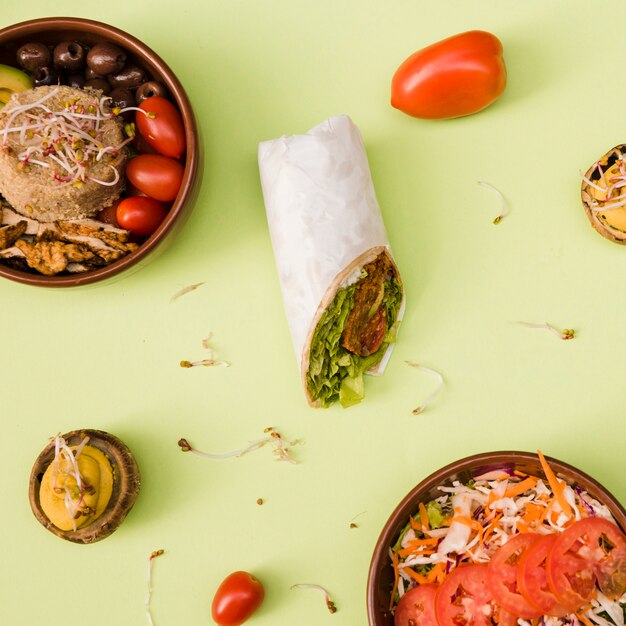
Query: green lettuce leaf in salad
[(436, 516), (334, 372)]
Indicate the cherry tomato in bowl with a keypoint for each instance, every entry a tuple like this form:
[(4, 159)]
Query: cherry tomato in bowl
[(108, 215), (457, 76), (140, 215), (155, 175), (239, 595), (161, 125)]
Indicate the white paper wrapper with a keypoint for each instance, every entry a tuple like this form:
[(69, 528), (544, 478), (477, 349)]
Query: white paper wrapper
[(324, 220)]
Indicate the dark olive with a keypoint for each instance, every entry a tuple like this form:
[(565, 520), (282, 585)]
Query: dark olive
[(69, 56), (46, 75), (89, 74), (99, 83), (106, 58), (130, 76), (32, 56), (149, 89), (122, 97), (77, 81)]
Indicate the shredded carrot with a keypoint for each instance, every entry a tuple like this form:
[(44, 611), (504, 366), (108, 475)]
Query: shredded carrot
[(492, 526), (556, 485), (412, 551), (420, 544), (586, 621), (473, 524), (522, 527), (396, 578), (424, 517), (518, 488), (532, 513), (415, 525), (418, 578), (436, 574)]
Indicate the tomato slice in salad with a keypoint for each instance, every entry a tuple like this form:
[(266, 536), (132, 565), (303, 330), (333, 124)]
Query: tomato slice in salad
[(417, 607), (502, 572), (611, 575), (464, 599), (590, 549), (532, 581)]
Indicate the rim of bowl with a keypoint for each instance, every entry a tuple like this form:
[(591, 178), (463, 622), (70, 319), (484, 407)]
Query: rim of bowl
[(185, 195), (483, 461)]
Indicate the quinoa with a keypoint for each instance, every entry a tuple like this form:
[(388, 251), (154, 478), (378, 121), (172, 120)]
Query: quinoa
[(62, 159)]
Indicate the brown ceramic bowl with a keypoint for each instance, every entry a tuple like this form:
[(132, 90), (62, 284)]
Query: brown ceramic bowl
[(380, 579), (53, 30), (126, 484)]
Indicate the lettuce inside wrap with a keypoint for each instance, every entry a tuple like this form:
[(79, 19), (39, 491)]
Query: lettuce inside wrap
[(334, 372)]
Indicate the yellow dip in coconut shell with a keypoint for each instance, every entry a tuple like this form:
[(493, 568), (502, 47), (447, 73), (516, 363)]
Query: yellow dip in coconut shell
[(60, 494)]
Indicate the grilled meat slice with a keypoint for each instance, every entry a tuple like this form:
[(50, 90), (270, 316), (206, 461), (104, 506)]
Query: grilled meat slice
[(366, 325)]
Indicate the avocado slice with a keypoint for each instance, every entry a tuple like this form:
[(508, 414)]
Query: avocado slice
[(12, 80)]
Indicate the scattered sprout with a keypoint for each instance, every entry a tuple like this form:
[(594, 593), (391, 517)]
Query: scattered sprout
[(329, 603), (565, 334), (280, 447), (210, 360), (434, 394), (505, 208), (352, 524), (185, 290), (151, 558), (66, 463)]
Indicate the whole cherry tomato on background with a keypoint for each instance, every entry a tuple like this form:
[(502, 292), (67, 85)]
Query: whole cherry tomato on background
[(163, 129), (236, 599), (140, 215), (156, 175), (457, 76)]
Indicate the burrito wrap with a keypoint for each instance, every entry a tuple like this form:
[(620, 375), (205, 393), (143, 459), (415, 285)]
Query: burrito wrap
[(324, 221)]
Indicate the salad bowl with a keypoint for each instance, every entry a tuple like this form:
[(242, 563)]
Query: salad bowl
[(381, 572)]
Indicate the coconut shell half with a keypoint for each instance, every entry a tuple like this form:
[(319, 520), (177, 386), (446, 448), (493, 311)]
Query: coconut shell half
[(599, 178), (126, 484)]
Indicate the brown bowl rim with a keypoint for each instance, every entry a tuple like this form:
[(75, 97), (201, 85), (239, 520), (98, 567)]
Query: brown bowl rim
[(177, 91), (483, 461)]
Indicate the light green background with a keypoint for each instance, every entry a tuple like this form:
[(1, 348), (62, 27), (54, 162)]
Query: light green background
[(107, 357)]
